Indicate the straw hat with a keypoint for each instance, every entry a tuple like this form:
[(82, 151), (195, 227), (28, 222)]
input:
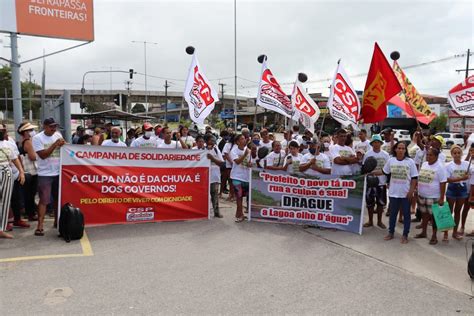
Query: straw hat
[(26, 127)]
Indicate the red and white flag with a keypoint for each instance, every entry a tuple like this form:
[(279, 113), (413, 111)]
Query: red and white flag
[(343, 103), (305, 109), (199, 93), (270, 94), (461, 97)]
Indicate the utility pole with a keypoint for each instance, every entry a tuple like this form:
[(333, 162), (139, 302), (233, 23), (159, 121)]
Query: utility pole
[(235, 64), (466, 75), (129, 104), (6, 103), (222, 94), (30, 74), (166, 102), (146, 77)]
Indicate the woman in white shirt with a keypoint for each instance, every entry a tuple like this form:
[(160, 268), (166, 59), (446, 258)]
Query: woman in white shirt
[(403, 178), (431, 189), (293, 160), (457, 191), (187, 139), (240, 174)]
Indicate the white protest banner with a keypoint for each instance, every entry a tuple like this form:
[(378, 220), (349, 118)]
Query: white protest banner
[(343, 103), (270, 94), (198, 93), (306, 110), (461, 97)]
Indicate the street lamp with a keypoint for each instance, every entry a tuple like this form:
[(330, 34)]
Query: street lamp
[(146, 85)]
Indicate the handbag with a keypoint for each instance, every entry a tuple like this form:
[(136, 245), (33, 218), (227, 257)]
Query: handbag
[(443, 217)]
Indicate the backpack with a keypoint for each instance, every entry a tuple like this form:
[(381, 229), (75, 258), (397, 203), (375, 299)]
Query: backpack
[(71, 223)]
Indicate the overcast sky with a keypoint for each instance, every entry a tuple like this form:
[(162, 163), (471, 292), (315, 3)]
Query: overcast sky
[(297, 36)]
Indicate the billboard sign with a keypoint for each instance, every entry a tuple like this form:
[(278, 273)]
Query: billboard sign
[(72, 19)]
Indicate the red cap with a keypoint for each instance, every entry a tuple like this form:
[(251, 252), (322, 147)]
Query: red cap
[(147, 126)]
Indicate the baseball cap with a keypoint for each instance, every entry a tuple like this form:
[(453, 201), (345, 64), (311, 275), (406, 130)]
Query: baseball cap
[(439, 138), (147, 126), (50, 122), (376, 138), (387, 130)]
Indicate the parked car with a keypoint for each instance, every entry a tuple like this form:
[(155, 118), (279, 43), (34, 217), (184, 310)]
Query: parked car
[(402, 135), (451, 139)]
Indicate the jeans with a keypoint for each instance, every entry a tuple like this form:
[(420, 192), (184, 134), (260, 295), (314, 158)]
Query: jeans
[(395, 205)]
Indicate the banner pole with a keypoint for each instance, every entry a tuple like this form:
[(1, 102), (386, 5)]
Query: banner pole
[(322, 124)]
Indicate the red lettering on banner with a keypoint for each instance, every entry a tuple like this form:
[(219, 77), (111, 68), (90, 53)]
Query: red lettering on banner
[(346, 95), (302, 104), (201, 89)]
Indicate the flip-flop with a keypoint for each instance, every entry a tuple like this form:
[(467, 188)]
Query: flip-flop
[(368, 225), (433, 241), (419, 236), (457, 237), (39, 232)]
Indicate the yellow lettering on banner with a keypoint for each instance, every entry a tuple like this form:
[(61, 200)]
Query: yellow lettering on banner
[(374, 95), (170, 199)]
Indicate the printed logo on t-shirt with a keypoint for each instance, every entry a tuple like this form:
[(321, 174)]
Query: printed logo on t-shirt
[(459, 173), (399, 172), (55, 153), (426, 176), (380, 163), (296, 166), (345, 153), (278, 161)]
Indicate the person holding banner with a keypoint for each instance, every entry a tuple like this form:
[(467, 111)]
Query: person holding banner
[(343, 156), (457, 192), (114, 140), (315, 163), (376, 195), (240, 174), (293, 160), (431, 189), (187, 139), (147, 140), (403, 178), (275, 160)]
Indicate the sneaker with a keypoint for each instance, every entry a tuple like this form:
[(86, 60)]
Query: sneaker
[(21, 224)]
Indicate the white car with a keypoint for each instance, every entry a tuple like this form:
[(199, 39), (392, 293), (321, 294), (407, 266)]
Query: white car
[(402, 135), (451, 139)]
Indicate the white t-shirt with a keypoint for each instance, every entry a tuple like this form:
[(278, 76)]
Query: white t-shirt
[(110, 143), (382, 157), (322, 161), (456, 171), (421, 156), (215, 169), (49, 166), (226, 150), (268, 145), (145, 143), (341, 151), (365, 145), (387, 147), (240, 171), (10, 143), (284, 144), (429, 178), (401, 174), (6, 153), (294, 167), (172, 145), (188, 140), (274, 159)]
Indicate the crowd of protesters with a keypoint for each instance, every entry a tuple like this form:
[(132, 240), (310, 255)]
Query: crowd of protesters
[(406, 183)]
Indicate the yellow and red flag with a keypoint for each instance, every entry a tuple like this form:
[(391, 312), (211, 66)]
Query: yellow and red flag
[(381, 86), (409, 100)]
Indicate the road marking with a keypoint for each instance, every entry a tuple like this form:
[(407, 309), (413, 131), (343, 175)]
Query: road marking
[(86, 252)]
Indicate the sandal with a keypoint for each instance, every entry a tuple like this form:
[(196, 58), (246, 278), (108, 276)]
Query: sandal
[(368, 225), (457, 237), (239, 219), (382, 225), (445, 238), (433, 241), (39, 232)]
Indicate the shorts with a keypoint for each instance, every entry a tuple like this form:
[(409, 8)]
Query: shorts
[(456, 191), (425, 204), (241, 188), (48, 189), (376, 195)]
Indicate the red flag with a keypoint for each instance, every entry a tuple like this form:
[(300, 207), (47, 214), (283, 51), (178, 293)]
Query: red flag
[(381, 86)]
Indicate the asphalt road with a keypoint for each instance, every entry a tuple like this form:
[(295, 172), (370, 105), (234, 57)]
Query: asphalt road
[(218, 267)]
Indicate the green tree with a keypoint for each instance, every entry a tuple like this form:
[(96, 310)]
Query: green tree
[(439, 123), (96, 107)]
